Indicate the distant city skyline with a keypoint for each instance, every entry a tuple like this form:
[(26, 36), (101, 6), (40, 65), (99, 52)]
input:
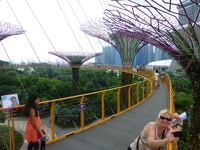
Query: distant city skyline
[(147, 54)]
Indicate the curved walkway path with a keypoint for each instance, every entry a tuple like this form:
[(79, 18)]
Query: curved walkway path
[(120, 131)]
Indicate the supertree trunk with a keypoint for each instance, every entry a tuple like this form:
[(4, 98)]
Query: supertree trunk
[(75, 83), (194, 115), (126, 79), (75, 59)]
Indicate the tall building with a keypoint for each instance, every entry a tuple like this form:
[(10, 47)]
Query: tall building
[(148, 53), (110, 56), (191, 9)]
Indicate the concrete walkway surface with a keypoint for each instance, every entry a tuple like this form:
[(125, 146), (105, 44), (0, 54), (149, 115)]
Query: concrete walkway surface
[(115, 134), (120, 131)]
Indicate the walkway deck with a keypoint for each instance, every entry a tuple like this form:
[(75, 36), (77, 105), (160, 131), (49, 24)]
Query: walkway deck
[(120, 131)]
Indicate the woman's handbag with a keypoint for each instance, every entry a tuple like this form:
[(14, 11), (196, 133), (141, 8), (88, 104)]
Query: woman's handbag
[(42, 141)]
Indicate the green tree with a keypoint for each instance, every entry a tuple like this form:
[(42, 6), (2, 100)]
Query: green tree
[(182, 100), (4, 138), (2, 115)]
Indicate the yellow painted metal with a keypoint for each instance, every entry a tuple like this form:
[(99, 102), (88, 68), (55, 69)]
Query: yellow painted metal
[(148, 75), (103, 106), (11, 129), (83, 127), (137, 91), (52, 120), (147, 88), (143, 90), (167, 82), (129, 96), (118, 101), (82, 114)]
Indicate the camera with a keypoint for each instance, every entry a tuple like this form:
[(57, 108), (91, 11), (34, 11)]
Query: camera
[(179, 134)]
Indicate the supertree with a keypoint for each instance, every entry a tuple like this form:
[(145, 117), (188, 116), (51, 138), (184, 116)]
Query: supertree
[(7, 29), (125, 45), (175, 32), (75, 60)]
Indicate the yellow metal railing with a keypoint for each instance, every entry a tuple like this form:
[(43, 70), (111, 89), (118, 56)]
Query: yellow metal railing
[(137, 93), (139, 96), (167, 82)]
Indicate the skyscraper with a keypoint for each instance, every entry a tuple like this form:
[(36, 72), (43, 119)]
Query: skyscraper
[(189, 8), (148, 53)]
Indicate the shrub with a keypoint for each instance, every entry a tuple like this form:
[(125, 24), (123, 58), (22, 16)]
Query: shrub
[(4, 138)]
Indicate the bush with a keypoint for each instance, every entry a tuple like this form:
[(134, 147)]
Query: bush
[(182, 102), (2, 115), (4, 138)]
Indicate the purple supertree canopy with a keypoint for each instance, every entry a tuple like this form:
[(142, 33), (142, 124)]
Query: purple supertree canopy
[(75, 58), (98, 28), (159, 25), (125, 45), (101, 29), (8, 29)]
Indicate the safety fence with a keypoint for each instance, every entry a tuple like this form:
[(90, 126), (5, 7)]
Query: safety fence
[(167, 82), (70, 115)]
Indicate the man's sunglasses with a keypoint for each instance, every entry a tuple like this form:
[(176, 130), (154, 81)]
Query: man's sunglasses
[(164, 118)]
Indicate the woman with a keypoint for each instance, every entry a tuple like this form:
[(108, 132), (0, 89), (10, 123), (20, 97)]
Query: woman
[(156, 135), (34, 125)]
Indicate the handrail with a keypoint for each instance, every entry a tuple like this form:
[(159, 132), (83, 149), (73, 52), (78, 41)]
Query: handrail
[(142, 90), (167, 82)]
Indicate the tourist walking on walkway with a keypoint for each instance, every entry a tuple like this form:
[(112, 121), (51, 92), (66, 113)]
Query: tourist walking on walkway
[(156, 74), (34, 124)]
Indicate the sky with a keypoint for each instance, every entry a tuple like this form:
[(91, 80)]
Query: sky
[(50, 25)]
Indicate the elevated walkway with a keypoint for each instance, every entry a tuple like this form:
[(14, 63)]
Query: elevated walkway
[(120, 131)]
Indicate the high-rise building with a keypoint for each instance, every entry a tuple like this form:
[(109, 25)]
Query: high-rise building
[(191, 9), (148, 53), (110, 56)]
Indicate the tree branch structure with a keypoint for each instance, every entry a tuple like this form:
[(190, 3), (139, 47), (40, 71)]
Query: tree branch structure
[(97, 28), (8, 29), (159, 25), (125, 45), (75, 58), (176, 32)]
